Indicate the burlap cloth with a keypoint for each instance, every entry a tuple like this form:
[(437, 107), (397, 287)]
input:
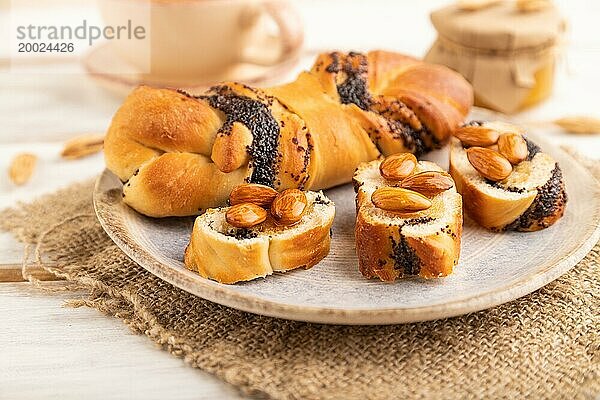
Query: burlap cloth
[(544, 345)]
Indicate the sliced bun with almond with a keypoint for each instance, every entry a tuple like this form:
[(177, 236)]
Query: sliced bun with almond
[(409, 219), (506, 181), (261, 232)]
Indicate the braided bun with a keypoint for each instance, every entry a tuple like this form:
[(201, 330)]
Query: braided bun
[(180, 154)]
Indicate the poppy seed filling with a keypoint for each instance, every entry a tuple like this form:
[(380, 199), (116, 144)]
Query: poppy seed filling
[(532, 149), (414, 139), (405, 258), (257, 117), (241, 233), (354, 90), (550, 196)]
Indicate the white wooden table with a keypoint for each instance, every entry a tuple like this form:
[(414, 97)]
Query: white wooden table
[(48, 351)]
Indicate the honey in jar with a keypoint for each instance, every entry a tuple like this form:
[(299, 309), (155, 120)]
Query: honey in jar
[(508, 55)]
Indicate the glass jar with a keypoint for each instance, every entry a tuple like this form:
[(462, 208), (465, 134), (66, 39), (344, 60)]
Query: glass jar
[(508, 56)]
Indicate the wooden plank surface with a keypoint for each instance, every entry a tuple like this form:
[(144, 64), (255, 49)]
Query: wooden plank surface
[(13, 273), (11, 260), (53, 352)]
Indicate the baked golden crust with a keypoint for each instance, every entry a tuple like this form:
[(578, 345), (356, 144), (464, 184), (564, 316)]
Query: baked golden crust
[(340, 141), (220, 259), (392, 245), (302, 251), (229, 150), (179, 184), (490, 212), (533, 197), (226, 254), (153, 121), (373, 243), (311, 133)]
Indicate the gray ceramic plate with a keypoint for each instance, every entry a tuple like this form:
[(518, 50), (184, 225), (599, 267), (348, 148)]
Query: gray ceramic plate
[(494, 268)]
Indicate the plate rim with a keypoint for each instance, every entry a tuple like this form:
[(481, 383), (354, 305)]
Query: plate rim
[(224, 295)]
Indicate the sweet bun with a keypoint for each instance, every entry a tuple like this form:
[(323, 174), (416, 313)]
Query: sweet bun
[(228, 254), (394, 244)]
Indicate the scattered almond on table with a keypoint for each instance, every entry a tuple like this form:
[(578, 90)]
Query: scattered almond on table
[(22, 167), (474, 5), (579, 124), (532, 5), (82, 146)]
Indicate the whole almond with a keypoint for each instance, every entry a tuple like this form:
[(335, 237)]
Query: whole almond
[(398, 166), (488, 163), (579, 124), (477, 135), (428, 183), (230, 149), (532, 5), (254, 193), (289, 207), (399, 199), (245, 215), (22, 167), (82, 146), (474, 5), (513, 147)]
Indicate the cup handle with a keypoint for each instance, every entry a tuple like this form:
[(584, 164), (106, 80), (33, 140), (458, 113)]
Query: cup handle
[(289, 38)]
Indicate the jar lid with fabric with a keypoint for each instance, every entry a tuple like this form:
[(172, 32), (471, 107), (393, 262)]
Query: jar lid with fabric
[(507, 54)]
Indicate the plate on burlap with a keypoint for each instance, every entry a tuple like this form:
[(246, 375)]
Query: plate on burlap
[(494, 267)]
